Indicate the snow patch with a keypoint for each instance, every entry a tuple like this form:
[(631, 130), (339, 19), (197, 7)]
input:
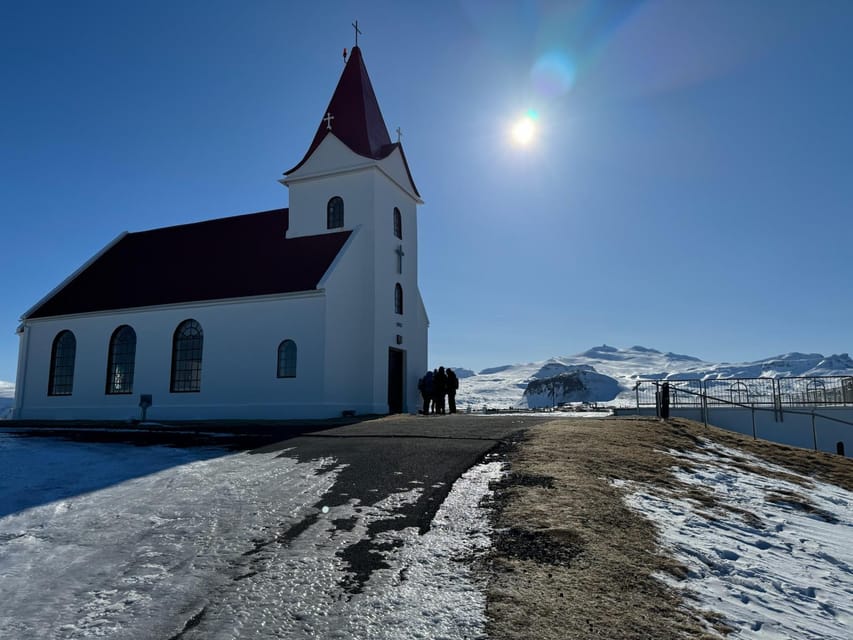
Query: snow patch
[(785, 571)]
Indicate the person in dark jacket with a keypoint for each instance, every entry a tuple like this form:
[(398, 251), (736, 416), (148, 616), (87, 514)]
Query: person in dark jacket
[(425, 386), (439, 387), (452, 386)]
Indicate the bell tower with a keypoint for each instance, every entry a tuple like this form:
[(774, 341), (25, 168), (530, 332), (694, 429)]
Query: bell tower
[(354, 179)]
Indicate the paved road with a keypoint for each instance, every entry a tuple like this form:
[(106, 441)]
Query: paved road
[(388, 455)]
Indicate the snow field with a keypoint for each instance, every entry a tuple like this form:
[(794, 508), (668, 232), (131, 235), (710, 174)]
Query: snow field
[(784, 572)]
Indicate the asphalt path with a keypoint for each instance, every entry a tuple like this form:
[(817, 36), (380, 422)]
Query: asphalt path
[(388, 455)]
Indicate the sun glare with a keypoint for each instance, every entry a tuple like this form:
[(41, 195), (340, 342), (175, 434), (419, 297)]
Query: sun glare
[(523, 130)]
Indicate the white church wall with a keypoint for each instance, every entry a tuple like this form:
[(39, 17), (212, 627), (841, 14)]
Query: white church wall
[(395, 169), (389, 324), (332, 170), (349, 329), (238, 363)]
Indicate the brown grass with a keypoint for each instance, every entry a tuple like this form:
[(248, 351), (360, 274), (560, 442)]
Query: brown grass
[(571, 561)]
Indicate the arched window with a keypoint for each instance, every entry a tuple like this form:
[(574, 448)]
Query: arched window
[(121, 360), (186, 357), (398, 299), (398, 223), (335, 213), (287, 359), (62, 364)]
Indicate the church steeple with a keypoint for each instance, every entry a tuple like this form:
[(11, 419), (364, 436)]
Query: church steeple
[(353, 115)]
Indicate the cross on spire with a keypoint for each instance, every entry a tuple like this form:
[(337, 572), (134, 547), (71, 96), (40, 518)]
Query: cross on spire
[(399, 134), (357, 31), (328, 120)]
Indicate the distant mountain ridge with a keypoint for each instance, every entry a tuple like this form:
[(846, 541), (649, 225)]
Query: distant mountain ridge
[(607, 374), (7, 399)]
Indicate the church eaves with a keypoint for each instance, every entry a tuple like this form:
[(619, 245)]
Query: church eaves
[(226, 258), (353, 115)]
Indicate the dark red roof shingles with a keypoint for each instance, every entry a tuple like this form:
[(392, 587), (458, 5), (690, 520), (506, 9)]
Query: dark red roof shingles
[(234, 257)]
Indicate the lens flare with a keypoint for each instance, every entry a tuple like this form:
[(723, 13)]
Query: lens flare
[(553, 74)]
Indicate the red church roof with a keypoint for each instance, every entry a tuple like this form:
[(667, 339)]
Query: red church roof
[(234, 257), (356, 119)]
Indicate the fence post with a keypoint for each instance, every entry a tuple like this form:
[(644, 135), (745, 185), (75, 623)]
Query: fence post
[(754, 437), (637, 390), (777, 402), (814, 432), (664, 401), (705, 402)]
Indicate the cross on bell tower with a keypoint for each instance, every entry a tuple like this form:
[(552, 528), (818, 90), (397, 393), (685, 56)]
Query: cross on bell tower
[(400, 254), (357, 31)]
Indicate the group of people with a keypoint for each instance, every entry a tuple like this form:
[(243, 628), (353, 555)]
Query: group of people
[(434, 387)]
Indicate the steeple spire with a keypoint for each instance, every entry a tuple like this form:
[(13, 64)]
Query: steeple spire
[(355, 116)]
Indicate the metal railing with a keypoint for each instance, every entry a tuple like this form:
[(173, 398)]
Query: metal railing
[(775, 395), (821, 391)]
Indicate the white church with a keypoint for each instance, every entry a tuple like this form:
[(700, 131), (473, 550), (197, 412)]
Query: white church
[(312, 311)]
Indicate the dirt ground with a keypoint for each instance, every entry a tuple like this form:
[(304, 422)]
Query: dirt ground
[(571, 561)]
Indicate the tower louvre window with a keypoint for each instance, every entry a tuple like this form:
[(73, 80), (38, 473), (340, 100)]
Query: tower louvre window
[(62, 364), (398, 223), (121, 360), (335, 213), (187, 346)]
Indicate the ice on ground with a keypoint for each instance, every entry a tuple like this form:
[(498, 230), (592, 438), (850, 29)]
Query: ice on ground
[(36, 471), (425, 591), (776, 563), (134, 559), (235, 546)]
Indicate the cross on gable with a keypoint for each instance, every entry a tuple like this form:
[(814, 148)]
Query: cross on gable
[(328, 120)]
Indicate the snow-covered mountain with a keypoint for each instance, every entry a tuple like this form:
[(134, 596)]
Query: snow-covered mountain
[(603, 374), (7, 399)]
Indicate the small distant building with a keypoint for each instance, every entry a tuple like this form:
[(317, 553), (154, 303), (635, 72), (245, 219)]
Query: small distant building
[(304, 312)]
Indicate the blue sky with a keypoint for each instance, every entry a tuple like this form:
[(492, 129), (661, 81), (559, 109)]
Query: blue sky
[(689, 187)]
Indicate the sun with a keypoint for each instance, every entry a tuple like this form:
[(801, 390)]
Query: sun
[(524, 130)]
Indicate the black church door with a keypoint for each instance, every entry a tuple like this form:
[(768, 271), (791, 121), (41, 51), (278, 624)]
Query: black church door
[(396, 369)]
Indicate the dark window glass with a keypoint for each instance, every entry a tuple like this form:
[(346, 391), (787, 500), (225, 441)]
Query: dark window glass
[(335, 213), (287, 359), (121, 360), (62, 364), (398, 299), (398, 223), (186, 357)]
